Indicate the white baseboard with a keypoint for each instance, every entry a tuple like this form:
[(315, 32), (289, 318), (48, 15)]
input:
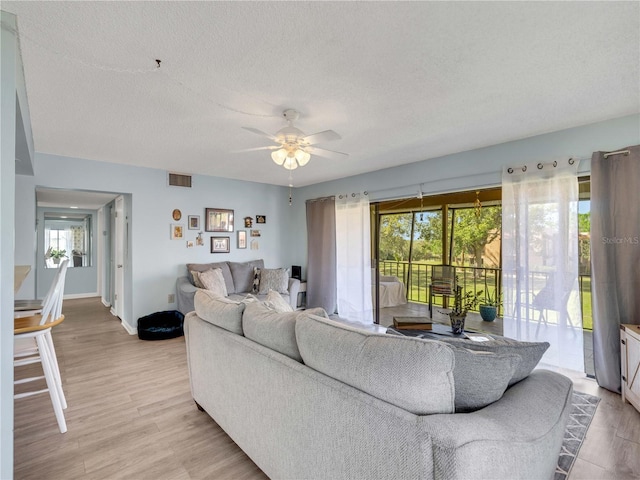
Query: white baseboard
[(130, 330), (105, 303), (73, 296)]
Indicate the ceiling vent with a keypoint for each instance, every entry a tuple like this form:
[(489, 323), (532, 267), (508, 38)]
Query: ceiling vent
[(179, 180)]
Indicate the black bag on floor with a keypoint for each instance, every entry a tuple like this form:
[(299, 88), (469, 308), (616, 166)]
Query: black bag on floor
[(161, 325)]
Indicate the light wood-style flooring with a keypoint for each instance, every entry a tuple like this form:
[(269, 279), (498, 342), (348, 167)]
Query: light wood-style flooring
[(131, 415)]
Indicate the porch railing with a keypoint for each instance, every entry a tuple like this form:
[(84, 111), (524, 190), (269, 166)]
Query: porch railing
[(417, 276)]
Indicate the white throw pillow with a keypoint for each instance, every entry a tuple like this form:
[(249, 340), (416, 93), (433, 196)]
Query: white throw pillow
[(213, 281), (276, 302)]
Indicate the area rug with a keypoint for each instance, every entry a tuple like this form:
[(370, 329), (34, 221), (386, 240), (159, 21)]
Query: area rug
[(583, 407)]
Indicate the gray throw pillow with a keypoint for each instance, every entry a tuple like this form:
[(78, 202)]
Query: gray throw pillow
[(276, 279), (243, 274), (481, 378), (530, 352)]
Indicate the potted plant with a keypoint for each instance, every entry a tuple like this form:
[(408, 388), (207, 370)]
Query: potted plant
[(462, 303), (489, 309), (57, 255)]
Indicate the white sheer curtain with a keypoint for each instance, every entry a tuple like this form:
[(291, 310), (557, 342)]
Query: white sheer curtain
[(353, 257), (540, 260)]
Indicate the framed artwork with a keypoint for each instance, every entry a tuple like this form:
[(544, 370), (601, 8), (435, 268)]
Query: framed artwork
[(248, 222), (255, 233), (218, 220), (242, 239), (261, 219), (194, 222), (176, 214), (189, 244), (177, 231), (220, 244)]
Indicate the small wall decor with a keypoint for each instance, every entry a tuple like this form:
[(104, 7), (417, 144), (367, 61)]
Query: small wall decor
[(218, 220), (261, 219), (177, 231), (220, 244), (194, 222), (255, 233), (242, 239), (248, 222), (176, 214), (189, 244), (200, 240), (255, 245)]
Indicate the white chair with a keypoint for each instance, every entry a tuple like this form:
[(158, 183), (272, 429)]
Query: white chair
[(392, 291), (25, 308), (34, 344)]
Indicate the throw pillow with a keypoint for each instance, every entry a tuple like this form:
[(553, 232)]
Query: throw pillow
[(274, 279), (196, 279), (481, 378), (219, 311), (213, 281), (243, 274), (530, 353), (277, 303), (256, 280)]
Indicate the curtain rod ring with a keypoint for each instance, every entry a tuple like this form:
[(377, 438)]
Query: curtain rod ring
[(571, 161), (509, 170), (555, 163), (540, 166), (524, 168)]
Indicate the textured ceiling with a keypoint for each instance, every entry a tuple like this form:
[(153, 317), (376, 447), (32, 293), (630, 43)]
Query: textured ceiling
[(399, 81)]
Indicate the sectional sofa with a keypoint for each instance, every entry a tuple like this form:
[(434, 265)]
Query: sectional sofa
[(238, 278), (307, 397)]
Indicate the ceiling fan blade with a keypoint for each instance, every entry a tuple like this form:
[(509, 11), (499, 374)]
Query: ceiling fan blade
[(320, 137), (323, 152), (261, 133), (270, 147)]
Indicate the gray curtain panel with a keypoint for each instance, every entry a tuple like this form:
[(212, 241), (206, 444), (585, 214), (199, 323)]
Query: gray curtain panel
[(615, 257), (321, 248)]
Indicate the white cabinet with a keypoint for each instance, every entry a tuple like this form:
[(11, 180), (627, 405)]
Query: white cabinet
[(630, 359)]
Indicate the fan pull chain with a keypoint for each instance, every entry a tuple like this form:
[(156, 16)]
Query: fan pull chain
[(290, 187)]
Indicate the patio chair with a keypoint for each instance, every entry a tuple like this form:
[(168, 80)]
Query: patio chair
[(443, 283)]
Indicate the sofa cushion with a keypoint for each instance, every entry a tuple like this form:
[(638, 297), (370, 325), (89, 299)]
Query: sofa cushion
[(195, 276), (273, 279), (243, 274), (220, 311), (273, 329), (213, 281), (411, 373), (530, 353), (226, 273), (481, 378), (277, 303)]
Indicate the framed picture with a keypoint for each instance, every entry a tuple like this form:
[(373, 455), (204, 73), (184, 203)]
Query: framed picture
[(219, 244), (255, 233), (218, 220), (248, 222), (177, 231), (194, 222), (176, 214), (242, 239), (261, 219)]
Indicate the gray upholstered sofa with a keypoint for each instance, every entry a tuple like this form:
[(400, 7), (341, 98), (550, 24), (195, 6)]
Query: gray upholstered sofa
[(238, 277), (306, 397)]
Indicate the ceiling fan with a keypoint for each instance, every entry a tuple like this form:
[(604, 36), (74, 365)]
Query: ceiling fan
[(294, 146)]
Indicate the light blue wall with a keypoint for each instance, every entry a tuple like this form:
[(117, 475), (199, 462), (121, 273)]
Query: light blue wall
[(79, 281), (156, 260), (470, 170)]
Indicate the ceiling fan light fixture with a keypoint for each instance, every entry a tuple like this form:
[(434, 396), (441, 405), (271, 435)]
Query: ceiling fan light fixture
[(302, 157), (290, 163), (279, 156)]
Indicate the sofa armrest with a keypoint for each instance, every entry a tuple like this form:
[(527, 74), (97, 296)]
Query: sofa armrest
[(525, 429), (186, 292), (294, 289)]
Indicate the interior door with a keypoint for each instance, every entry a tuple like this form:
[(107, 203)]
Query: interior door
[(118, 273)]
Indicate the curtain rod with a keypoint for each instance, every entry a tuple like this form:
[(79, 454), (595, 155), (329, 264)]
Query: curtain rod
[(346, 195), (541, 165), (619, 152)]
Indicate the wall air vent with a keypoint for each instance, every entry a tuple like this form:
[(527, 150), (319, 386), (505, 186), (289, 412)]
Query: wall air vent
[(179, 180)]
